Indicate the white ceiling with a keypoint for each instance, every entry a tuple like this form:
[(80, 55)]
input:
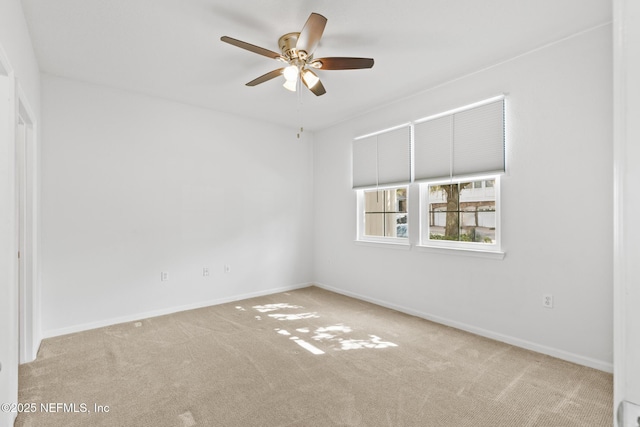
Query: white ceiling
[(172, 48)]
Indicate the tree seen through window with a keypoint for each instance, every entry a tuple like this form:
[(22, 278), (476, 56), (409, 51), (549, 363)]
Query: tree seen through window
[(463, 211)]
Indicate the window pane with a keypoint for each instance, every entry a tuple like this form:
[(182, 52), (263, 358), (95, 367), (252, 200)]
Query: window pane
[(444, 212), (401, 197), (373, 201), (399, 223), (374, 224)]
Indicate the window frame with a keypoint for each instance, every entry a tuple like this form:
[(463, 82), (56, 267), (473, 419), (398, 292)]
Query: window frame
[(424, 227), (361, 214)]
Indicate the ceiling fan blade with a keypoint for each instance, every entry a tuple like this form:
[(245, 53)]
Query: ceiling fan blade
[(311, 33), (317, 89), (250, 47), (338, 63), (266, 77)]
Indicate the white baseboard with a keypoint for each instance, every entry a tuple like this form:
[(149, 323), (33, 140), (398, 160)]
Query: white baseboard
[(168, 310), (539, 348)]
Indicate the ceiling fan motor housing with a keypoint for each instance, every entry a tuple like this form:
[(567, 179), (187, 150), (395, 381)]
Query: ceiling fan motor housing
[(287, 44)]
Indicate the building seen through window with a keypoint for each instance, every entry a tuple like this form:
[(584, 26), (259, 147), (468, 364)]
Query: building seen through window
[(463, 211), (385, 212)]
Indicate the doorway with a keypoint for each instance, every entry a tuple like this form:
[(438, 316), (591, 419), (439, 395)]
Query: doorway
[(25, 202)]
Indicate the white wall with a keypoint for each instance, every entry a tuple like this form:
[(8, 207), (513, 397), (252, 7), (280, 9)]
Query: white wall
[(556, 209), (134, 185), (17, 50), (16, 42)]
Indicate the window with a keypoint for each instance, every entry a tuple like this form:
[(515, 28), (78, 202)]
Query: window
[(381, 173), (454, 153), (461, 214), (455, 160), (385, 213)]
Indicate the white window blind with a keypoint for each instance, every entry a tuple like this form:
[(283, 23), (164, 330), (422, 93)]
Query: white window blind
[(365, 162), (466, 142), (432, 145), (382, 159)]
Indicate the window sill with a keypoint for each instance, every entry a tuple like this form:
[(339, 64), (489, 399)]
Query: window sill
[(462, 251), (380, 244)]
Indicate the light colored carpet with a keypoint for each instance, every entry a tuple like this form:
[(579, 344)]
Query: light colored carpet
[(254, 363)]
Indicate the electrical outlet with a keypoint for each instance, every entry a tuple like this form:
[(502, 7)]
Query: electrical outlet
[(547, 300), (164, 276), (205, 271), (227, 268)]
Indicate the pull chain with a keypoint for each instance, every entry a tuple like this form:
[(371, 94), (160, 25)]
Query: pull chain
[(299, 90)]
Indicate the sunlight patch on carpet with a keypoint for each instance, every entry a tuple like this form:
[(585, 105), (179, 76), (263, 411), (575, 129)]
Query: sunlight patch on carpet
[(309, 347), (274, 307), (325, 333), (338, 337), (372, 342), (298, 316), (302, 343), (187, 419)]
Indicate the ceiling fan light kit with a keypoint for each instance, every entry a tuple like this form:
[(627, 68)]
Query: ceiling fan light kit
[(291, 73), (309, 78), (290, 85), (297, 52)]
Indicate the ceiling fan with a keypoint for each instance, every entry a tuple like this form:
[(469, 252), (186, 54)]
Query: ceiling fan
[(297, 51)]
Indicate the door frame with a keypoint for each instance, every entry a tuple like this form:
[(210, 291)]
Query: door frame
[(29, 292), (8, 289), (626, 208)]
